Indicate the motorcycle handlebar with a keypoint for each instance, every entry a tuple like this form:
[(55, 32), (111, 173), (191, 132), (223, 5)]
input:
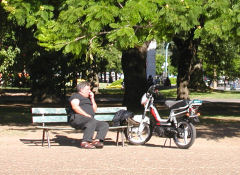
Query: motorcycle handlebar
[(152, 89)]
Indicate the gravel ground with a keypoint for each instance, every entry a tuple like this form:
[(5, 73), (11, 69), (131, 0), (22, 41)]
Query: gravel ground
[(215, 151)]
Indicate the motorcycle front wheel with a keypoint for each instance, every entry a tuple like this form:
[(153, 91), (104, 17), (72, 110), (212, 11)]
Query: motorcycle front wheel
[(137, 135), (186, 135)]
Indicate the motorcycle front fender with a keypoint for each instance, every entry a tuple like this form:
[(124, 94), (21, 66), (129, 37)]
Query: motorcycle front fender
[(139, 119)]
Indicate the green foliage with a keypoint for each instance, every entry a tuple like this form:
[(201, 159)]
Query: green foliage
[(173, 80), (220, 21), (160, 60), (222, 57), (7, 58), (76, 26), (108, 58), (115, 84), (100, 30)]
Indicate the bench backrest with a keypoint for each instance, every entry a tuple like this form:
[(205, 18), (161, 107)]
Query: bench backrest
[(59, 115)]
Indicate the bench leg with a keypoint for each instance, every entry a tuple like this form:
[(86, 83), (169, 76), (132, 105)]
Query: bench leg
[(117, 137), (48, 139), (122, 136), (43, 137), (45, 131)]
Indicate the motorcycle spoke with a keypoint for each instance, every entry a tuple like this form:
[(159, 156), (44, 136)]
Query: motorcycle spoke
[(185, 136), (140, 137)]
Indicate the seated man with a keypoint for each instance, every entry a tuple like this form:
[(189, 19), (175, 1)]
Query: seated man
[(83, 108)]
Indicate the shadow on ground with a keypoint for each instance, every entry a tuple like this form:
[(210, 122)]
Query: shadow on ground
[(215, 129), (63, 140)]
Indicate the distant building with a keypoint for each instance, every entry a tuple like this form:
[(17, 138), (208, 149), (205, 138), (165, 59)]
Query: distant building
[(151, 61)]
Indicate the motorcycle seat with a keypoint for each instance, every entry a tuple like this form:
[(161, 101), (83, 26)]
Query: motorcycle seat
[(176, 104)]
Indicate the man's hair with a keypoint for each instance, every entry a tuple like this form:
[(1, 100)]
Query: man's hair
[(82, 84)]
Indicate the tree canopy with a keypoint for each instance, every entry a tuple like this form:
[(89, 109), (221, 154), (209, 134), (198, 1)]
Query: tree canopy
[(90, 28)]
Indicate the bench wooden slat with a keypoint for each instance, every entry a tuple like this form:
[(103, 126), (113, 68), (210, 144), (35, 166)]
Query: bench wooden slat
[(109, 109), (50, 119), (104, 117), (64, 118), (45, 115), (48, 111), (63, 110)]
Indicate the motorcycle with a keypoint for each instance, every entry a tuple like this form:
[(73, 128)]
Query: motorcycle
[(178, 126)]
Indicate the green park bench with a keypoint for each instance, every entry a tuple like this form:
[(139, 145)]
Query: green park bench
[(50, 117)]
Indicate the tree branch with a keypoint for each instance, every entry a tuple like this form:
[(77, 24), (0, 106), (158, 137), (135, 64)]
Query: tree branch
[(120, 4), (101, 33), (81, 37), (76, 39)]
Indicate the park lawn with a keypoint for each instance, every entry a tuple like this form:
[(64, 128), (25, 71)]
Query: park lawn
[(213, 94), (219, 111)]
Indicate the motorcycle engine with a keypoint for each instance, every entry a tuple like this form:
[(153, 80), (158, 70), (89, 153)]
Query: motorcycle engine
[(159, 130), (162, 131)]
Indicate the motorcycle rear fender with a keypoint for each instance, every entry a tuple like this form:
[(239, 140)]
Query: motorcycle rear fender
[(138, 118), (194, 119)]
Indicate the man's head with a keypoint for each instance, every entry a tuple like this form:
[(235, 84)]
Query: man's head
[(84, 88)]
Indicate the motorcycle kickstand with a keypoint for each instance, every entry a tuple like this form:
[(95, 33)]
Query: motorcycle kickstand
[(166, 142)]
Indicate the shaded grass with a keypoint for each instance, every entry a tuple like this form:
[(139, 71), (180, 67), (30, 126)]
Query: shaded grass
[(214, 112), (218, 110), (15, 114)]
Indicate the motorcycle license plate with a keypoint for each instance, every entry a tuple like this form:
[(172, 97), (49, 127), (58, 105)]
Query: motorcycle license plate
[(197, 102)]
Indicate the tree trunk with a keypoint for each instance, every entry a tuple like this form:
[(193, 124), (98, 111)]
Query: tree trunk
[(214, 79), (197, 82), (134, 69), (187, 52), (44, 81), (92, 77), (95, 83), (105, 77), (116, 77)]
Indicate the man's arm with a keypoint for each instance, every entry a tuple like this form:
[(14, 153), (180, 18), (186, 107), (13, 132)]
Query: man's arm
[(75, 106), (94, 105)]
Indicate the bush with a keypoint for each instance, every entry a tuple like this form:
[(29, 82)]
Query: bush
[(173, 80), (115, 84)]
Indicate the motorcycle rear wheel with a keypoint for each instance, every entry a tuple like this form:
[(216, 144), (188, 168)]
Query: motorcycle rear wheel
[(186, 135), (134, 136)]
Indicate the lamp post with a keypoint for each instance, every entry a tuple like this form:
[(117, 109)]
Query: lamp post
[(166, 56)]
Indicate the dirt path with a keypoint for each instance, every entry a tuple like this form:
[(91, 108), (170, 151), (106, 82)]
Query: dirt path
[(215, 151)]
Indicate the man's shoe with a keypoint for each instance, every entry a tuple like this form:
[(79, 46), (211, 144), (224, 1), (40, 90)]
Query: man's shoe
[(87, 145), (97, 144)]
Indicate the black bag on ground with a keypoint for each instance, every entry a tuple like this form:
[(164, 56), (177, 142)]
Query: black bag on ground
[(121, 116)]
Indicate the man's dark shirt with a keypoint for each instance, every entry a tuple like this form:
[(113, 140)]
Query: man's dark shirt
[(85, 104)]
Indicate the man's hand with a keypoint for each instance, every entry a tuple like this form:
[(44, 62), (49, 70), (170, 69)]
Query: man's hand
[(94, 105), (91, 95)]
